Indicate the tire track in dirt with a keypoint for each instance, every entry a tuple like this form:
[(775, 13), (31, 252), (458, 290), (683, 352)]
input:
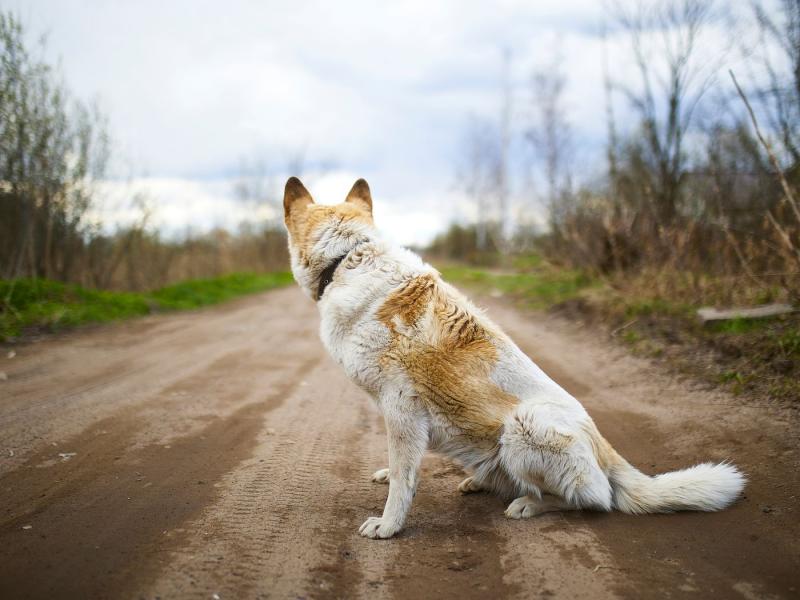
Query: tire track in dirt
[(128, 481), (76, 534), (277, 512)]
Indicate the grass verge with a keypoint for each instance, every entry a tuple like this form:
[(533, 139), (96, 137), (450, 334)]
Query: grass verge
[(44, 305), (537, 286), (759, 358)]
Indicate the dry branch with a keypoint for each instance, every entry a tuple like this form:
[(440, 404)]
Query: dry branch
[(787, 189), (709, 314)]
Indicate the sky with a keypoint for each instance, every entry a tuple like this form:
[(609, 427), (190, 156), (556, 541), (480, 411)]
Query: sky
[(380, 90)]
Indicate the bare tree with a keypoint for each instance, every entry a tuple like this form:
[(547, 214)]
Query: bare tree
[(479, 173), (776, 55), (484, 169), (503, 167), (550, 134), (664, 36), (254, 184)]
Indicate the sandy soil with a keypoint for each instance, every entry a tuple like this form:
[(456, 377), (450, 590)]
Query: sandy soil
[(222, 454)]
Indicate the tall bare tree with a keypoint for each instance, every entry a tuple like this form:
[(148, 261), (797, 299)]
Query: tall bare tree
[(550, 134), (254, 184), (480, 173), (777, 58), (504, 170), (484, 172), (664, 36)]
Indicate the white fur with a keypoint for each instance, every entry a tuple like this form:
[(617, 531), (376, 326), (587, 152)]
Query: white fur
[(706, 486), (544, 456)]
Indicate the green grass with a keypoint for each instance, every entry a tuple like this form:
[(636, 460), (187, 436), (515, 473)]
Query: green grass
[(202, 292), (740, 326), (641, 307), (539, 286), (51, 305), (789, 343)]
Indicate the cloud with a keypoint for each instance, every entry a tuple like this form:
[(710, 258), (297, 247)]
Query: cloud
[(175, 205), (379, 90), (191, 87)]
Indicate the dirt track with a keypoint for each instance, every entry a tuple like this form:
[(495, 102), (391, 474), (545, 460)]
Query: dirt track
[(221, 452)]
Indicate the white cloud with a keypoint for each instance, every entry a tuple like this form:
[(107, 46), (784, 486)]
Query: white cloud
[(379, 90), (176, 205), (191, 87)]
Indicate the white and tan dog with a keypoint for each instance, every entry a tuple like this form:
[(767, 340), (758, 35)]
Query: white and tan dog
[(448, 379)]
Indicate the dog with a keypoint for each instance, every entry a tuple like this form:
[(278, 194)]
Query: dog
[(449, 380)]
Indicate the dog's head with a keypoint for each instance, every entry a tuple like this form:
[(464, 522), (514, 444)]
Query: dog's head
[(319, 233)]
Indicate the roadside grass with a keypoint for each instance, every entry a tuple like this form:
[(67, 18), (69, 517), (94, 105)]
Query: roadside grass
[(756, 357), (202, 292), (44, 305), (657, 319), (537, 286)]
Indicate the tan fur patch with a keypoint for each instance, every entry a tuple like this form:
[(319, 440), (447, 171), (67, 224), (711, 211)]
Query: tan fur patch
[(606, 456), (448, 354), (408, 303)]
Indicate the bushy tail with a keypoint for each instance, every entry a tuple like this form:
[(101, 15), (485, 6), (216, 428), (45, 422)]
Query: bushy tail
[(705, 486)]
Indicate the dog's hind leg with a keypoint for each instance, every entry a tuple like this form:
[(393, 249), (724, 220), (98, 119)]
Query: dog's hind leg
[(470, 485), (380, 476), (545, 455), (530, 506), (488, 477)]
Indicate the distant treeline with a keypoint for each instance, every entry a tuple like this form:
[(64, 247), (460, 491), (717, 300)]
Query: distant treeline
[(54, 151)]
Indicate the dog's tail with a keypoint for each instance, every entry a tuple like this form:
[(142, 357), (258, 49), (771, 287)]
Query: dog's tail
[(706, 487)]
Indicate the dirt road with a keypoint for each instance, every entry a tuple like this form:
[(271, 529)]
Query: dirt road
[(221, 454)]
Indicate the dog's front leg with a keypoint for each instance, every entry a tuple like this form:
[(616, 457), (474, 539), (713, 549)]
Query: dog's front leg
[(407, 431)]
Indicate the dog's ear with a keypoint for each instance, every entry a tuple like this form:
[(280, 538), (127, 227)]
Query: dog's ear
[(295, 197), (360, 195)]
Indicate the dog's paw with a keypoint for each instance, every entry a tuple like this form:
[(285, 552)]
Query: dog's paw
[(523, 508), (381, 476), (377, 528), (469, 486)]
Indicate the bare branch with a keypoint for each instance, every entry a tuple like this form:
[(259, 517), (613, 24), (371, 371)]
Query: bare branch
[(787, 190)]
